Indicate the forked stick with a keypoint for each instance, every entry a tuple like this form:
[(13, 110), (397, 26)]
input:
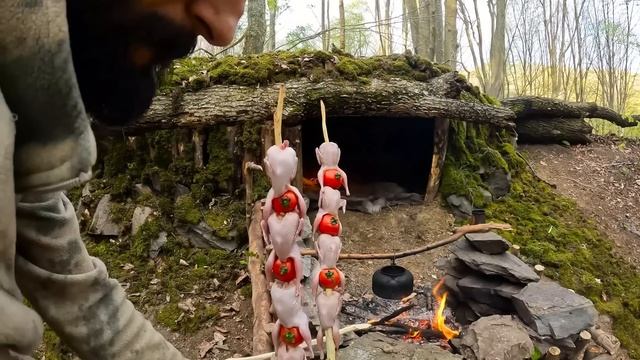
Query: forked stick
[(345, 330), (323, 111), (277, 116)]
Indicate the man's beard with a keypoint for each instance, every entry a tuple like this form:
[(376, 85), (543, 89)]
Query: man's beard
[(103, 33)]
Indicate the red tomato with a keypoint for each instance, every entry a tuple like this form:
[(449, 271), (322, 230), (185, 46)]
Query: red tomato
[(330, 278), (285, 203), (284, 271), (290, 336), (332, 178), (329, 224)]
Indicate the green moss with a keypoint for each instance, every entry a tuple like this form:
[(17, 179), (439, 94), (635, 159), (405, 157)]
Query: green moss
[(246, 291), (52, 347), (186, 210), (268, 68), (552, 231), (226, 217), (172, 317), (148, 232), (121, 213)]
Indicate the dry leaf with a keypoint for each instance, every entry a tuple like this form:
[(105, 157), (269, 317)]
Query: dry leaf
[(187, 306), (204, 348), (127, 267), (154, 281), (182, 262), (242, 278), (222, 330)]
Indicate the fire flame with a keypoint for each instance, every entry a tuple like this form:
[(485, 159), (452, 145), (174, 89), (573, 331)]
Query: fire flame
[(439, 318)]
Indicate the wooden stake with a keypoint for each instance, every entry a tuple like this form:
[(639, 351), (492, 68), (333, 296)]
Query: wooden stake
[(345, 330), (460, 232), (325, 132), (260, 298), (553, 353), (584, 340), (539, 269), (607, 341), (277, 116), (593, 351), (330, 345), (515, 250)]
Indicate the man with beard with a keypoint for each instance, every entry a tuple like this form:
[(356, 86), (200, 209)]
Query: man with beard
[(59, 61)]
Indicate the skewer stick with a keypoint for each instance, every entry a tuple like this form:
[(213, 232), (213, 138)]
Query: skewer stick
[(331, 347), (277, 116), (323, 111), (345, 330)]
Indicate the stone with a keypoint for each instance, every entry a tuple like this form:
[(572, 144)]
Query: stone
[(376, 346), (457, 268), (142, 189), (309, 263), (157, 244), (489, 290), (180, 190), (505, 265), (464, 315), (488, 242), (102, 223), (496, 337), (202, 236), (307, 229), (486, 195), (552, 310), (451, 283), (499, 183), (484, 309), (461, 203), (140, 216)]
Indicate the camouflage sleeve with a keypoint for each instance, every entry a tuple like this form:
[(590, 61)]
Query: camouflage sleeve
[(21, 328), (73, 292)]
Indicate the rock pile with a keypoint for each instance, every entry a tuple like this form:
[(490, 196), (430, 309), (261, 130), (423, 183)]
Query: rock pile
[(506, 304)]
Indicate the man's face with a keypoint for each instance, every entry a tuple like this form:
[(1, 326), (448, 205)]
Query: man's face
[(118, 45)]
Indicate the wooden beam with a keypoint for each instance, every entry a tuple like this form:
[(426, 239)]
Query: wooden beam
[(440, 141), (230, 104)]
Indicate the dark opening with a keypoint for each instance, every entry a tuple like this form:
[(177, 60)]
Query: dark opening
[(375, 150)]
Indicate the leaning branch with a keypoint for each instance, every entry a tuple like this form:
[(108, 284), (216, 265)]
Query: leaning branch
[(460, 232)]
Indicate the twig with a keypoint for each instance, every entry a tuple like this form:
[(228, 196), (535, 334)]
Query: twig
[(460, 232), (277, 116), (392, 315), (345, 330), (230, 46)]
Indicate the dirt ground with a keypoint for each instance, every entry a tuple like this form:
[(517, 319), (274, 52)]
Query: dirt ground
[(604, 179), (394, 229)]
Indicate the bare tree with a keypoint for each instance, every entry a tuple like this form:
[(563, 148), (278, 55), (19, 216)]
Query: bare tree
[(379, 25), (426, 29), (405, 26), (450, 33), (256, 27), (387, 28), (341, 24), (497, 52), (272, 5), (438, 28), (414, 23)]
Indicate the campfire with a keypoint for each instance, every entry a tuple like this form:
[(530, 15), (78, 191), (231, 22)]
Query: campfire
[(421, 318)]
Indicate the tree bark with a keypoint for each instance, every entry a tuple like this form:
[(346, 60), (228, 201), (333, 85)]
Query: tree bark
[(553, 130), (451, 33), (341, 23), (540, 107), (273, 15), (230, 104), (497, 51), (438, 36), (256, 27), (414, 24), (593, 110), (426, 29)]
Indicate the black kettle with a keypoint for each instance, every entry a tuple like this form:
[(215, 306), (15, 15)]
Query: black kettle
[(392, 282)]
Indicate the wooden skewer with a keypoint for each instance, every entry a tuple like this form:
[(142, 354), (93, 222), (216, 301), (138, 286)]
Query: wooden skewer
[(325, 132), (345, 330), (277, 116)]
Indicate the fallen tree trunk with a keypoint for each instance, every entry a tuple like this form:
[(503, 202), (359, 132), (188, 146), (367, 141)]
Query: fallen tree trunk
[(593, 110), (553, 130), (260, 298), (230, 104), (541, 107)]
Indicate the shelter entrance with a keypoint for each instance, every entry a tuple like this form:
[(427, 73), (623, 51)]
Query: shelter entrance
[(383, 157)]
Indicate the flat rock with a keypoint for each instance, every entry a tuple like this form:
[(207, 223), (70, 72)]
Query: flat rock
[(102, 223), (455, 267), (552, 310), (464, 315), (202, 236), (157, 244), (505, 265), (488, 242), (376, 346), (140, 216), (489, 290), (481, 309), (495, 337), (461, 203)]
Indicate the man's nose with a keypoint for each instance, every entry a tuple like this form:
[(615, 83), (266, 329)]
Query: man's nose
[(216, 20)]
